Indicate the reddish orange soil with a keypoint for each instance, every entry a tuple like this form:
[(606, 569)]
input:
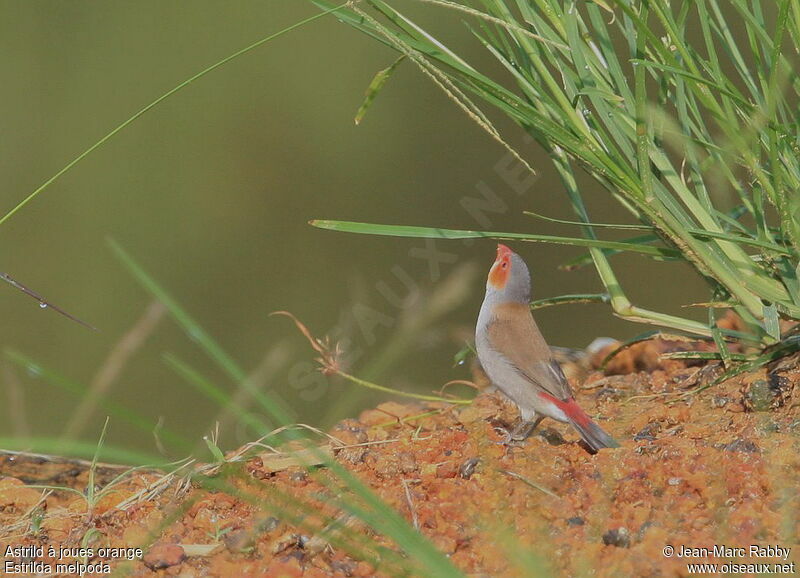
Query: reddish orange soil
[(721, 467)]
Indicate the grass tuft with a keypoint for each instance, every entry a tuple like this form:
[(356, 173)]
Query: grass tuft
[(684, 112)]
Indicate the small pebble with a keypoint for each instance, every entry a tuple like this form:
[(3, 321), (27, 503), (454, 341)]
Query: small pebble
[(741, 445), (468, 468), (719, 401), (619, 537), (162, 556)]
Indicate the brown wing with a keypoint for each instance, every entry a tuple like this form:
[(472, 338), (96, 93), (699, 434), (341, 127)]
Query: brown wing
[(514, 335)]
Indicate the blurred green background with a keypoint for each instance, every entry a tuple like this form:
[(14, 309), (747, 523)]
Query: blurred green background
[(212, 190)]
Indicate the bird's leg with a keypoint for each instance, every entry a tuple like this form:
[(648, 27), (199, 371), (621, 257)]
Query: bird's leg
[(525, 429), (519, 433)]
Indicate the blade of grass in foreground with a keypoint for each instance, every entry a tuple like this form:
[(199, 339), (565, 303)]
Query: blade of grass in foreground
[(571, 300), (57, 446), (197, 334), (211, 390), (378, 515), (698, 233), (437, 233), (619, 301), (79, 390)]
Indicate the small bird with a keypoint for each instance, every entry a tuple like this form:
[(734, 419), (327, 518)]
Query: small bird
[(517, 359)]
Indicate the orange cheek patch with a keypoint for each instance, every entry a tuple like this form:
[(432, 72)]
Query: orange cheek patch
[(498, 276)]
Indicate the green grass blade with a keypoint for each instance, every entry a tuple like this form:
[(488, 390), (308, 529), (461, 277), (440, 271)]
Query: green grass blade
[(435, 233), (81, 449), (278, 409), (158, 101), (588, 259), (213, 392), (400, 393), (384, 520), (618, 227), (776, 352), (571, 300), (79, 390)]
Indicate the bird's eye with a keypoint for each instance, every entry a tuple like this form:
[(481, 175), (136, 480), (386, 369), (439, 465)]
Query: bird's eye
[(504, 265)]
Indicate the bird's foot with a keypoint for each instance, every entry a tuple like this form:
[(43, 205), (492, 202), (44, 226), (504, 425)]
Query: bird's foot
[(518, 435), (507, 438)]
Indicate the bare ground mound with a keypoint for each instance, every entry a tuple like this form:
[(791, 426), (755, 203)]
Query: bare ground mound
[(718, 468)]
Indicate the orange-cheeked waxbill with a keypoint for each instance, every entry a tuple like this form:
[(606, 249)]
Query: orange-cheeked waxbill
[(517, 359)]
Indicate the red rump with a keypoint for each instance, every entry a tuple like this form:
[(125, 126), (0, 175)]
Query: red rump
[(570, 408)]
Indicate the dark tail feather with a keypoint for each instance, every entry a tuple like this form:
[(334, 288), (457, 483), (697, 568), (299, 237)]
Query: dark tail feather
[(591, 433), (594, 436)]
